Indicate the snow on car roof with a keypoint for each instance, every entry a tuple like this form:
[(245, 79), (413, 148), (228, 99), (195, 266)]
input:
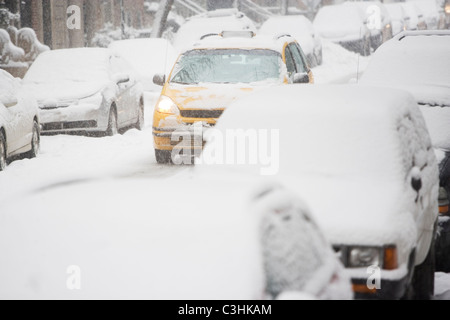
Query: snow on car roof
[(198, 26), (257, 42), (408, 62), (297, 26), (339, 22)]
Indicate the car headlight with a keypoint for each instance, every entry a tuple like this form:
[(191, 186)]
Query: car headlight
[(447, 8), (166, 105), (363, 257)]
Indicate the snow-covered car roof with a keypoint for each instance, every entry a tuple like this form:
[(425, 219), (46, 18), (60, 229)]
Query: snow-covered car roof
[(297, 26), (275, 43), (212, 22), (414, 61), (340, 22)]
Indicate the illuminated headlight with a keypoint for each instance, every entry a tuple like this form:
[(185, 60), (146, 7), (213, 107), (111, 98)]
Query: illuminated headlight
[(166, 105), (364, 257), (447, 9)]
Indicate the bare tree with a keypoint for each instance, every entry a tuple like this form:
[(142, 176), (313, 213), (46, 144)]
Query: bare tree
[(161, 18)]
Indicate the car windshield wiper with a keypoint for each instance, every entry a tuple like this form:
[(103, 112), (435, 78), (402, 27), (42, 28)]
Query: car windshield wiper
[(433, 104)]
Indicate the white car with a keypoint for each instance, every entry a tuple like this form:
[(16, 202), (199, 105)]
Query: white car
[(361, 158), (377, 19), (398, 17), (212, 22), (19, 121), (344, 25), (301, 29), (85, 90), (239, 241)]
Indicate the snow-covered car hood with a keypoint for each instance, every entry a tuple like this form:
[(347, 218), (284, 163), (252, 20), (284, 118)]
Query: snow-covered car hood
[(209, 96), (64, 91), (376, 214)]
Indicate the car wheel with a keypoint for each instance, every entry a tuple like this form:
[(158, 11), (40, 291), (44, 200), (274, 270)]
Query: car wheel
[(113, 128), (35, 142), (141, 120), (423, 278), (163, 156), (2, 151)]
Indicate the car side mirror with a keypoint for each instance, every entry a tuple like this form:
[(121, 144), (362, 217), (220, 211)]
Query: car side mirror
[(121, 78), (301, 78), (159, 79), (9, 101)]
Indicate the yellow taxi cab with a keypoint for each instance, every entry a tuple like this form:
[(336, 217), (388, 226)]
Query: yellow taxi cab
[(207, 78)]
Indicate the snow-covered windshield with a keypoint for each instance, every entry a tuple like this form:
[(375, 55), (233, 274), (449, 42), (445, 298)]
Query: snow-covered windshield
[(227, 66), (74, 65)]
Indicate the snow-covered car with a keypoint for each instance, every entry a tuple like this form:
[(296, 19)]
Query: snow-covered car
[(214, 72), (398, 17), (414, 61), (344, 25), (19, 121), (377, 19), (361, 158), (148, 57), (432, 14), (415, 19), (211, 22), (262, 244), (301, 29), (86, 90)]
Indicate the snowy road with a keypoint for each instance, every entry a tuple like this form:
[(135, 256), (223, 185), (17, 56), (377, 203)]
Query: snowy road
[(65, 159)]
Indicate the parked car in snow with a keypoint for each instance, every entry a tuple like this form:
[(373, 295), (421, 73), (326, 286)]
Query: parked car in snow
[(301, 29), (415, 19), (344, 25), (211, 22), (262, 244), (432, 14), (398, 17), (361, 158), (420, 72), (19, 121), (216, 71), (148, 57), (377, 19), (85, 90)]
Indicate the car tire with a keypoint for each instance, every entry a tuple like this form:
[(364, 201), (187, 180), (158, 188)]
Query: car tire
[(141, 117), (113, 127), (423, 278), (163, 156), (35, 142), (3, 156)]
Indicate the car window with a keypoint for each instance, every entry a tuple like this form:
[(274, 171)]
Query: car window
[(298, 56), (227, 66), (290, 64)]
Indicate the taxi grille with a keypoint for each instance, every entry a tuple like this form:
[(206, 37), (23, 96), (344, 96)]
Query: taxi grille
[(202, 114)]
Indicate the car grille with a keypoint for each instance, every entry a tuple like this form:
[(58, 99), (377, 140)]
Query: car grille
[(202, 114), (69, 125)]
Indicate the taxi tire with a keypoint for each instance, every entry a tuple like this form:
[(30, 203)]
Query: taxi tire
[(163, 156)]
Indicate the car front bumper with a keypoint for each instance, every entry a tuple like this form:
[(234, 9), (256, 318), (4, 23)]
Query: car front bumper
[(87, 117)]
